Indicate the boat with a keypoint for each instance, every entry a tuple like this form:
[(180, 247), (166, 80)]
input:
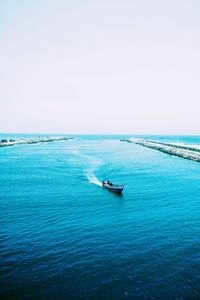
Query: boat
[(112, 187)]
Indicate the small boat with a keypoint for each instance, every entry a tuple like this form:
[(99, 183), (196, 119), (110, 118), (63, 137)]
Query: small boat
[(112, 187)]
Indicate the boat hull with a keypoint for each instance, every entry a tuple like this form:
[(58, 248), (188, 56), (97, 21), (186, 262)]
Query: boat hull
[(114, 189)]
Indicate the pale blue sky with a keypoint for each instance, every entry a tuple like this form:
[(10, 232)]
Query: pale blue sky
[(100, 66)]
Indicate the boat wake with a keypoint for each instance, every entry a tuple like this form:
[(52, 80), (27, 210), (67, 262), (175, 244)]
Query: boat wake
[(91, 164), (92, 179)]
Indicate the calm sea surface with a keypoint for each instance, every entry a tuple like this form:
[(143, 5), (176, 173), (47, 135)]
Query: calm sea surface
[(63, 237)]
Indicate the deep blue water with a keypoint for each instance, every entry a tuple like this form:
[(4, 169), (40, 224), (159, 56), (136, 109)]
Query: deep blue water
[(64, 237)]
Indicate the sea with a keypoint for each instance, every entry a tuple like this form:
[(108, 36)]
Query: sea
[(62, 236)]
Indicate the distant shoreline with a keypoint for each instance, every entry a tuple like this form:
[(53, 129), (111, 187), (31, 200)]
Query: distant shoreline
[(188, 152), (13, 142)]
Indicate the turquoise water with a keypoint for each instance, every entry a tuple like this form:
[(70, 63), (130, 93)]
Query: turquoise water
[(64, 237)]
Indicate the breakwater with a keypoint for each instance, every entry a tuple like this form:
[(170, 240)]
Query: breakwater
[(188, 152), (12, 142)]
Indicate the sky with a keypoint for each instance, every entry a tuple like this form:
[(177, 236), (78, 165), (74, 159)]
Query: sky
[(100, 67)]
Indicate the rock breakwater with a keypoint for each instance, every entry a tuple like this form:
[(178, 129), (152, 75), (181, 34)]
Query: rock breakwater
[(184, 151), (12, 142)]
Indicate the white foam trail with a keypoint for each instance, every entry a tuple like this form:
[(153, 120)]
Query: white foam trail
[(92, 179), (93, 164)]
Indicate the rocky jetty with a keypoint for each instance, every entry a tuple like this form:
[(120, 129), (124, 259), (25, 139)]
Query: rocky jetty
[(184, 151), (5, 142)]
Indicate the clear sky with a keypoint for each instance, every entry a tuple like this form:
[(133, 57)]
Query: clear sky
[(107, 66)]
